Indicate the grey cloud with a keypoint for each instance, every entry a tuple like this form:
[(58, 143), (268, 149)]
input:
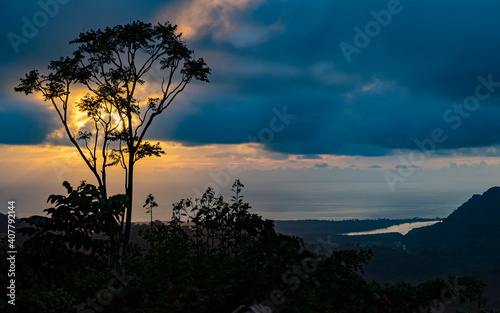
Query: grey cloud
[(309, 157), (24, 123), (403, 166), (321, 165)]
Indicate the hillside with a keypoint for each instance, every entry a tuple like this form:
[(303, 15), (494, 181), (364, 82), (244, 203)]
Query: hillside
[(468, 240)]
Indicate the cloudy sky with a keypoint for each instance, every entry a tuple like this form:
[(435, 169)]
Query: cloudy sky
[(331, 109)]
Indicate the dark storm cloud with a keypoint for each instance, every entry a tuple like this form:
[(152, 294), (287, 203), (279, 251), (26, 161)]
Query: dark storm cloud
[(398, 87), (392, 94), (40, 29), (23, 124)]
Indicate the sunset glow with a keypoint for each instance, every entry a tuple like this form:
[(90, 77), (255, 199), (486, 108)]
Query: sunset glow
[(288, 107)]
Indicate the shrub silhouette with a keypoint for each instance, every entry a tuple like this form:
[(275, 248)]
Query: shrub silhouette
[(82, 230)]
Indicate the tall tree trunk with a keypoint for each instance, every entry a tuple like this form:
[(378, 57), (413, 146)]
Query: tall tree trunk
[(129, 192), (104, 187)]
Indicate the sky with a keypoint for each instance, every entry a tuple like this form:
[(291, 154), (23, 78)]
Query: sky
[(328, 110)]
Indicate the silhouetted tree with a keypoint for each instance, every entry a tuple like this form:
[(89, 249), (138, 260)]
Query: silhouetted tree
[(149, 205), (112, 64)]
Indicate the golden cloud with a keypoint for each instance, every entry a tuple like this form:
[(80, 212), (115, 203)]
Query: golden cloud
[(197, 18)]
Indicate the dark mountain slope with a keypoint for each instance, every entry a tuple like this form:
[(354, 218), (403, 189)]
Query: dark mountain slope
[(467, 241)]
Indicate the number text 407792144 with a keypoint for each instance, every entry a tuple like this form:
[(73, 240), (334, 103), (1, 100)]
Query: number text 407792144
[(11, 253)]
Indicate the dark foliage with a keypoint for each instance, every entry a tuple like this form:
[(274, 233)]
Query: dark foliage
[(212, 256), (80, 235)]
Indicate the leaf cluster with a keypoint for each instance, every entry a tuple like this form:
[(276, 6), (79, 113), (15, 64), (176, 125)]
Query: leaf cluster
[(81, 228)]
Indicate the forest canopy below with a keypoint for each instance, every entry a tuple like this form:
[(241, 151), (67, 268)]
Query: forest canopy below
[(212, 256)]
